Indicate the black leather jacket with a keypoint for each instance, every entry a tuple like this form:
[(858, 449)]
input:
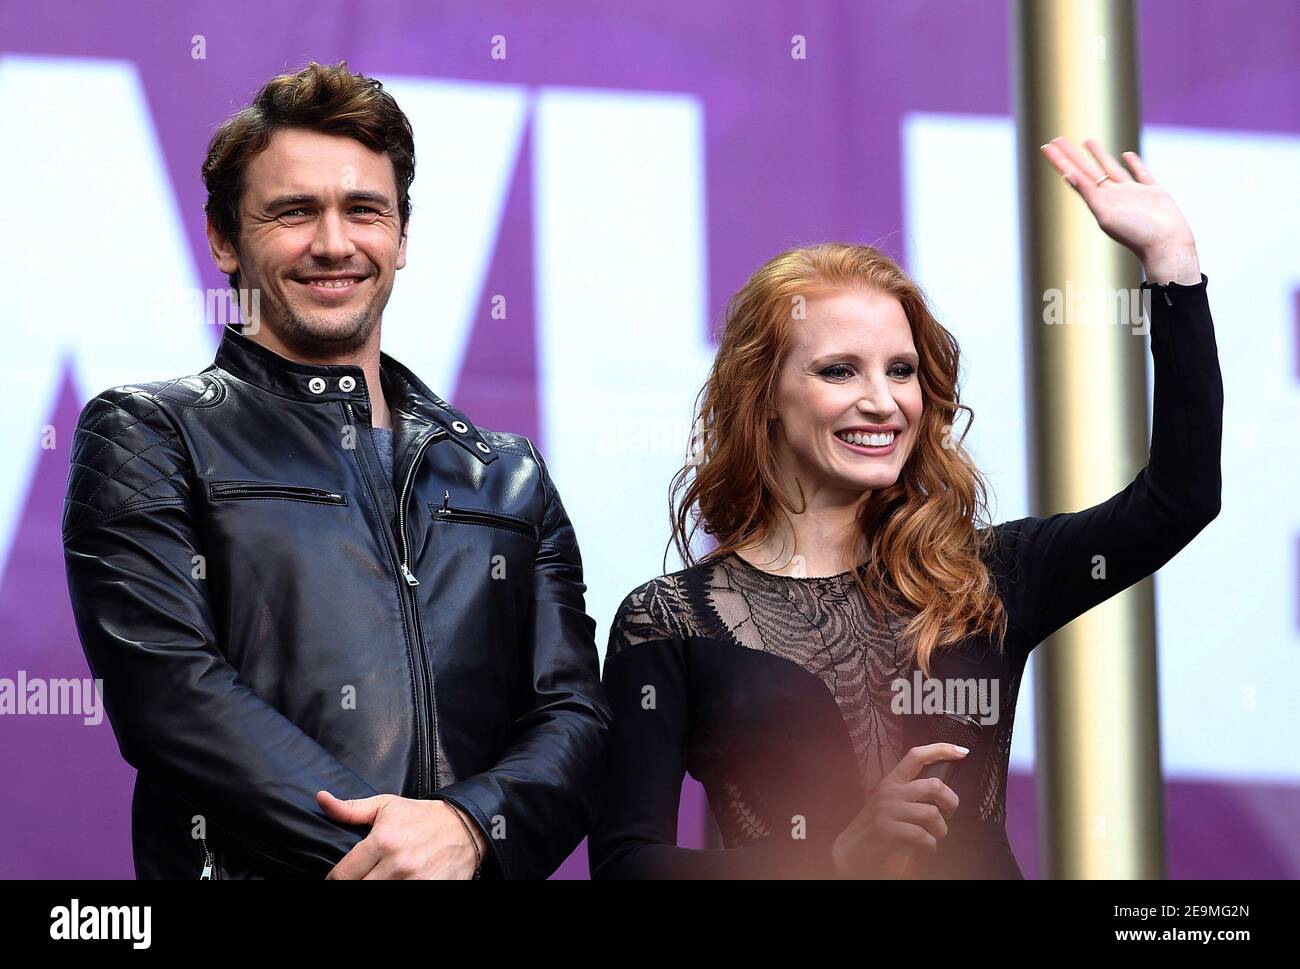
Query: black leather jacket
[(271, 617)]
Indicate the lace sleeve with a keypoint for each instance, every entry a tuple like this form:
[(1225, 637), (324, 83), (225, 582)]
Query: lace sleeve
[(653, 611)]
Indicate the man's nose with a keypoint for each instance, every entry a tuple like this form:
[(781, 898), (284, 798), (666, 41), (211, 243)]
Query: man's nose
[(331, 242)]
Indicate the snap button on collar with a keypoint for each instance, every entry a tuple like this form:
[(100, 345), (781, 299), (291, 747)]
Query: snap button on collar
[(347, 383), (482, 447), (316, 385), (460, 427)]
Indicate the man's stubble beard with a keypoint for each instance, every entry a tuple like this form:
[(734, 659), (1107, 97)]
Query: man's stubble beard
[(312, 337)]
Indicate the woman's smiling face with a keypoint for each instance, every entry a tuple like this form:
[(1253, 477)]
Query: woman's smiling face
[(851, 368)]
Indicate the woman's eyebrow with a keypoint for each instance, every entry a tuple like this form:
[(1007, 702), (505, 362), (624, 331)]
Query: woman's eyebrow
[(825, 358)]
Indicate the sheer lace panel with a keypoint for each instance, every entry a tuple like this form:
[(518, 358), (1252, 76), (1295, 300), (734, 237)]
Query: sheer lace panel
[(825, 626), (822, 624)]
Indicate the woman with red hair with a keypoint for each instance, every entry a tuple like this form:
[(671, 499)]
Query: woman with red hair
[(850, 559)]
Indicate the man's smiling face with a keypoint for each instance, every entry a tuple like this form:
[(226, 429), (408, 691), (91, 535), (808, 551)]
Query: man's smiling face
[(320, 237)]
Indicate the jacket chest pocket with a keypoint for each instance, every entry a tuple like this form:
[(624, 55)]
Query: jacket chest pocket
[(237, 490), (492, 555), (281, 536), (489, 519)]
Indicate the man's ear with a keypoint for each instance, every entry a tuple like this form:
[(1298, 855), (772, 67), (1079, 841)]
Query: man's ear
[(401, 248), (223, 253)]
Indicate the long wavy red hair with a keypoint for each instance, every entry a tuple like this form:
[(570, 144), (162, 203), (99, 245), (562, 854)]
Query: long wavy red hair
[(922, 532)]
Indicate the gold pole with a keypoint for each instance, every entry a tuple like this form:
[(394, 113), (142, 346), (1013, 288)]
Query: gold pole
[(1098, 757)]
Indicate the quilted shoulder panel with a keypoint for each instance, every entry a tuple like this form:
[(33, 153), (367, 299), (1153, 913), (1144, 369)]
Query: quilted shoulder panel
[(125, 452), (197, 390)]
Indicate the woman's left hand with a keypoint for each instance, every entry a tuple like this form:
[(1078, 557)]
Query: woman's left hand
[(1133, 209)]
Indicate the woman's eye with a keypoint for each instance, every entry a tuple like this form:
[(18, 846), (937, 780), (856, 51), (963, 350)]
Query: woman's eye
[(842, 372)]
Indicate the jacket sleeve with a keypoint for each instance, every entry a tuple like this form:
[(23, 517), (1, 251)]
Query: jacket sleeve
[(180, 714), (1061, 566), (540, 799), (648, 685)]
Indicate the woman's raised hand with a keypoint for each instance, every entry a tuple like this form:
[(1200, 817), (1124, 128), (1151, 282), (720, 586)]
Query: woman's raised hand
[(1133, 209)]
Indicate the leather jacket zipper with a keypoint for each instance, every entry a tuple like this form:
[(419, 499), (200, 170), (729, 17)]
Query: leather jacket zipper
[(411, 583), (474, 516), (210, 870), (220, 490), (425, 710), (401, 506)]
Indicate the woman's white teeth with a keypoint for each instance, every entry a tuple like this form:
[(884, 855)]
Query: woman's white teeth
[(867, 440)]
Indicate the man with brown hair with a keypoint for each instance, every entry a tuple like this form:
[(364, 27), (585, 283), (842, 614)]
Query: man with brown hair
[(341, 629)]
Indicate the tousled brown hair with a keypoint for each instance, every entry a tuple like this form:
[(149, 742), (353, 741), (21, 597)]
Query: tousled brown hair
[(921, 532), (328, 99)]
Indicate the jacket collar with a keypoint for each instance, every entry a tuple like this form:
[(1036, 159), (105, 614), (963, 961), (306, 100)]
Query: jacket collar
[(412, 404)]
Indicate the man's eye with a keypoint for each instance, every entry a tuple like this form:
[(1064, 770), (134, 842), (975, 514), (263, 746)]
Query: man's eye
[(363, 208)]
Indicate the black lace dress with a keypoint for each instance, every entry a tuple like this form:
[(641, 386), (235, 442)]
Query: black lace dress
[(781, 694)]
